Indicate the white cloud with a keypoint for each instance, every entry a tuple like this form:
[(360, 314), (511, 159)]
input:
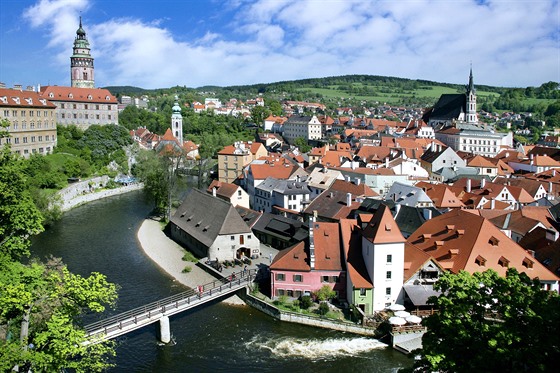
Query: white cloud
[(510, 43)]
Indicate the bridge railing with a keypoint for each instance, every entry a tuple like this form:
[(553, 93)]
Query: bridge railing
[(236, 279)]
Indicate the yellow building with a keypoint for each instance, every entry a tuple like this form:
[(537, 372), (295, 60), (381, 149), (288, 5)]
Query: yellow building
[(233, 158), (32, 121)]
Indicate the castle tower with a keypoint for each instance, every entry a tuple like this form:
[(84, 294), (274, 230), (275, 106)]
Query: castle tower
[(471, 101), (177, 121), (81, 62)]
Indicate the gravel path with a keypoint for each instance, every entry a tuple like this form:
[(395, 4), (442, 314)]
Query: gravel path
[(167, 254)]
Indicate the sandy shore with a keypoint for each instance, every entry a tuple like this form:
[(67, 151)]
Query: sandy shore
[(167, 254)]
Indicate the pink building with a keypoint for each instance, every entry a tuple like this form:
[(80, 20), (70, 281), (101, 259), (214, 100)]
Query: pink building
[(309, 265)]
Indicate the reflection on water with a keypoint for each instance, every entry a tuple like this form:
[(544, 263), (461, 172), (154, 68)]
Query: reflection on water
[(101, 237)]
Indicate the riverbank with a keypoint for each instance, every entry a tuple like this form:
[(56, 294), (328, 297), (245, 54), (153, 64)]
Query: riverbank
[(168, 255), (69, 203)]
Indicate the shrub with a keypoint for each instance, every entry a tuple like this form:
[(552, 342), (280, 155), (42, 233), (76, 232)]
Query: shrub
[(187, 269), (189, 257), (325, 293), (306, 302), (296, 304), (323, 308)]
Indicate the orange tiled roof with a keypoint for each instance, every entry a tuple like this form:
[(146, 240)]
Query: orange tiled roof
[(351, 243), (93, 95), (17, 98), (460, 240), (382, 228)]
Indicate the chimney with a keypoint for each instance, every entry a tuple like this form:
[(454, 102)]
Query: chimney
[(312, 220), (531, 158), (214, 191), (482, 183), (553, 173), (387, 162), (492, 204), (550, 188), (397, 209), (427, 214), (348, 199), (357, 180), (433, 146), (468, 185)]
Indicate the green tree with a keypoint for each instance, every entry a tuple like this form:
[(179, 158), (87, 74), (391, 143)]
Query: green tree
[(325, 293), (491, 323), (152, 171), (19, 217), (42, 303), (259, 114), (302, 144)]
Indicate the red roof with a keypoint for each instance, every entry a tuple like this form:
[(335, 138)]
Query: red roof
[(382, 228), (25, 99), (93, 95)]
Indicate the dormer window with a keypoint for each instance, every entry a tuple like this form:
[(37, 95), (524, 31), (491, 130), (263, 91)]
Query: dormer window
[(51, 95), (90, 97), (493, 241), (70, 95), (503, 262), (107, 98), (528, 263), (4, 99), (480, 261)]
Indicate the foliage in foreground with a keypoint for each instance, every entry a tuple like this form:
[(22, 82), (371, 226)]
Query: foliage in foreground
[(41, 303), (492, 323)]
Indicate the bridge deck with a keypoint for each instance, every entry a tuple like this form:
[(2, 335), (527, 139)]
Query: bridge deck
[(137, 318)]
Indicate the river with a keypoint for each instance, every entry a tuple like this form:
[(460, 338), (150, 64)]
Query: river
[(101, 237)]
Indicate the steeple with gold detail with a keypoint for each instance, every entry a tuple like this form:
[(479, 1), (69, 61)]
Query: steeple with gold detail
[(81, 62)]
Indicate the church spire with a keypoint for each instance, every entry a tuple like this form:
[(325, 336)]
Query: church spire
[(471, 116)]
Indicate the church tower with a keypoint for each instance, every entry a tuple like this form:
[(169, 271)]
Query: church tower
[(471, 101), (81, 62), (177, 121)]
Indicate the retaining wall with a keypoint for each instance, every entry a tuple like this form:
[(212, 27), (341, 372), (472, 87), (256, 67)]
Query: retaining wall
[(305, 320)]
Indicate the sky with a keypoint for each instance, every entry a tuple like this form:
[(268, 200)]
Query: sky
[(193, 43)]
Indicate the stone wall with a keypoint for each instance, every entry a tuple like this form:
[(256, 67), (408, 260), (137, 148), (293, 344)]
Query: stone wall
[(303, 319)]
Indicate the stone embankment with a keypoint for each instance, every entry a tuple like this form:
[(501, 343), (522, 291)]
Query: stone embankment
[(90, 190)]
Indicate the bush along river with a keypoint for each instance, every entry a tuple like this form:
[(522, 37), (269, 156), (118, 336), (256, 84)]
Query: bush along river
[(101, 237)]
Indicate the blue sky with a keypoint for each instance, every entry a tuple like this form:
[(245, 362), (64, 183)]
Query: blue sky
[(162, 43)]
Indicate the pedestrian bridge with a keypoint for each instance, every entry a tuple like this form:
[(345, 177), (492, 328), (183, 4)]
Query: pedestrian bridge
[(137, 318)]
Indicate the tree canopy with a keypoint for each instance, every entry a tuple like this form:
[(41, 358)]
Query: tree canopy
[(41, 303), (491, 323)]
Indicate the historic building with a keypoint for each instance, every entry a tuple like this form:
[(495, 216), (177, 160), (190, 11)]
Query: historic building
[(82, 104), (81, 62), (452, 108), (32, 122), (177, 121)]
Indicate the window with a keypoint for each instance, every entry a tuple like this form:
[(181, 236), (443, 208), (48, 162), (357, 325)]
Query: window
[(298, 278), (248, 236), (362, 292), (387, 291), (232, 238), (388, 275), (389, 258), (325, 278), (280, 292), (280, 277)]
